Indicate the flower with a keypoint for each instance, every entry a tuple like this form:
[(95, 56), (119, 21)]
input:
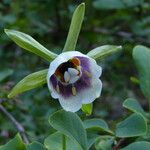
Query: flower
[(73, 78)]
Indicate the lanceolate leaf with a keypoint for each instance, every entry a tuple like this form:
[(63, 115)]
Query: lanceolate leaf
[(69, 124), (103, 51), (31, 81), (141, 57), (14, 144), (28, 43), (87, 108), (75, 28), (134, 125)]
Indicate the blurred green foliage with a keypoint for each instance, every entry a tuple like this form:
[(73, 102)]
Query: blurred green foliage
[(118, 22)]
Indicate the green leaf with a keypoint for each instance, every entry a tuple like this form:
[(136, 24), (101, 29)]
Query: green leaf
[(97, 125), (133, 105), (141, 145), (14, 144), (75, 28), (134, 125), (35, 146), (87, 108), (70, 125), (92, 137), (103, 51), (28, 43), (141, 56), (116, 4), (31, 81), (5, 73), (54, 142)]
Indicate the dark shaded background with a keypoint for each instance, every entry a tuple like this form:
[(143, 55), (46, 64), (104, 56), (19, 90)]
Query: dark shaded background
[(118, 22)]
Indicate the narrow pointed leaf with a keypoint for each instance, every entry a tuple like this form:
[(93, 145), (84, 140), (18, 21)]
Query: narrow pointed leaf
[(87, 108), (103, 51), (141, 56), (31, 81), (75, 28), (69, 124), (28, 43), (134, 125), (14, 144)]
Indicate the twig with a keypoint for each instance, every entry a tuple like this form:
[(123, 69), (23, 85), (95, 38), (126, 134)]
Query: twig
[(18, 126), (118, 145)]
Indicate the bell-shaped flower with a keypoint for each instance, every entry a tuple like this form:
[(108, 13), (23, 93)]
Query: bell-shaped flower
[(73, 79)]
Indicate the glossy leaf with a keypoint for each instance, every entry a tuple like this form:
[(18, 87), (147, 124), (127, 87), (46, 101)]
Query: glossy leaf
[(54, 142), (103, 51), (31, 81), (14, 144), (70, 125), (141, 145), (28, 43), (97, 125), (141, 57), (75, 28), (134, 125), (133, 105), (87, 108)]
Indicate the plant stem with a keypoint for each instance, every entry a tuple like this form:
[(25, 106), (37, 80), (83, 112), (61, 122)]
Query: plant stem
[(63, 142), (18, 126)]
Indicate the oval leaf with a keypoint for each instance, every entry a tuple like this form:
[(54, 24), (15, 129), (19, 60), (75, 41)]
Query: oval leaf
[(35, 146), (31, 81), (97, 125), (70, 125), (75, 28), (28, 43), (133, 105), (103, 51), (141, 57), (134, 125), (141, 145), (54, 142)]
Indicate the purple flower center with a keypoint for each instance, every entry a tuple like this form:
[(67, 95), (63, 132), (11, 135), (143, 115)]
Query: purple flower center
[(72, 77)]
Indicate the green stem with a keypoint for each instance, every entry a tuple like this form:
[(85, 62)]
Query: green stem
[(63, 142)]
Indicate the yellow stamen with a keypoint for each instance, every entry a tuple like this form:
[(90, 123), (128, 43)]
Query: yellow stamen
[(88, 74), (57, 88), (74, 92)]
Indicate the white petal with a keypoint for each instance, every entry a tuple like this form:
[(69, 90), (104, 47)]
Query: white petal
[(73, 79), (73, 72), (66, 76), (90, 94), (72, 103), (54, 95), (96, 70), (63, 57)]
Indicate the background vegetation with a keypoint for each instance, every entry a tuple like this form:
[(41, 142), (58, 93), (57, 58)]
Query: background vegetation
[(118, 22)]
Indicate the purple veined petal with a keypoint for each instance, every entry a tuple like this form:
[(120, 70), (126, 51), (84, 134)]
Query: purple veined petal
[(82, 88)]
